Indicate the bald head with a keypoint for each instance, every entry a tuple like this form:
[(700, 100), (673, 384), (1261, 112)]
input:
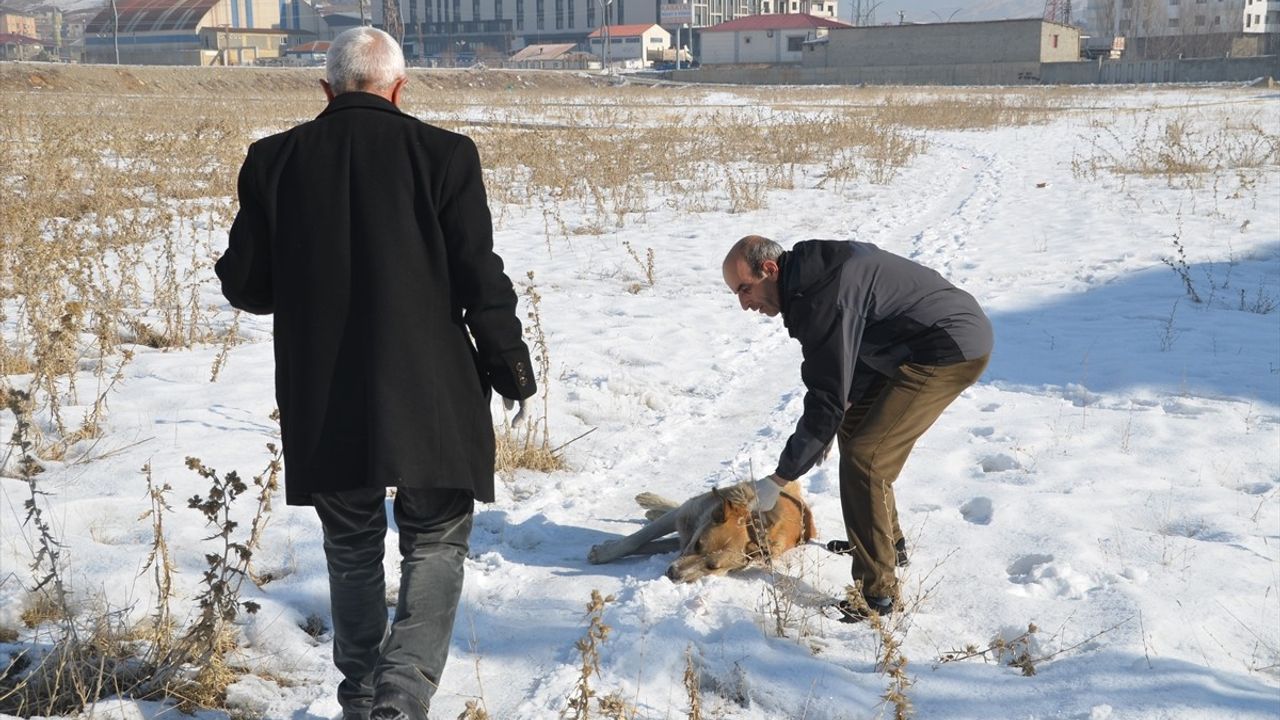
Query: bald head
[(751, 272), (755, 250)]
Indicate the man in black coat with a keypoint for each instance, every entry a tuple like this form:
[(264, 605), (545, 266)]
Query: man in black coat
[(368, 234), (888, 344)]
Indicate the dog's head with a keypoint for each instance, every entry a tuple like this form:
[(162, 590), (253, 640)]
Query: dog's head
[(721, 539)]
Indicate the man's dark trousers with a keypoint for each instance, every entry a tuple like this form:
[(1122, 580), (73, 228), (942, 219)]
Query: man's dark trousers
[(877, 434), (405, 664)]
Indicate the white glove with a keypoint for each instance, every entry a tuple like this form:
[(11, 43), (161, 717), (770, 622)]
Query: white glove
[(767, 493), (508, 403)]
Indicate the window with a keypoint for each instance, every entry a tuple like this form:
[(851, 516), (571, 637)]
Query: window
[(569, 14), (1055, 41), (1173, 22), (1201, 21), (559, 14), (746, 40), (475, 9), (656, 40), (541, 8), (1217, 19), (1173, 2), (591, 14), (519, 14), (795, 43)]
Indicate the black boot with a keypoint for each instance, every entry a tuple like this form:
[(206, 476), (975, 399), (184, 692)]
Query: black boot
[(842, 547)]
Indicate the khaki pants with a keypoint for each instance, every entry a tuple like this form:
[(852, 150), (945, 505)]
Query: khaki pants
[(878, 432)]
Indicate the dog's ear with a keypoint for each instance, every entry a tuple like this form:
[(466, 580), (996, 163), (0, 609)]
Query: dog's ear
[(721, 513)]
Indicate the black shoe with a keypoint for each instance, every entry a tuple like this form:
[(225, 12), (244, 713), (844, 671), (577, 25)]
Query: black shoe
[(849, 612), (842, 547)]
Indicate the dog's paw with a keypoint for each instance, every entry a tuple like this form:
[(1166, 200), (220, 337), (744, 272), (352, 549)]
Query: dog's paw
[(600, 554)]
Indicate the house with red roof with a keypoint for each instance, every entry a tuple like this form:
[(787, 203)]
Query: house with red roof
[(763, 39), (635, 45), (19, 47)]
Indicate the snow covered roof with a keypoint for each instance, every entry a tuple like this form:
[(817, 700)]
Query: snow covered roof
[(621, 31), (151, 15)]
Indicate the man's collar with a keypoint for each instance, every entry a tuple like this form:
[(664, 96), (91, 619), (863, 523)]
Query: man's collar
[(356, 99), (784, 296)]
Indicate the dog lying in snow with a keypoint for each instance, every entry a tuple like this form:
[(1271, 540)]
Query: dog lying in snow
[(716, 531)]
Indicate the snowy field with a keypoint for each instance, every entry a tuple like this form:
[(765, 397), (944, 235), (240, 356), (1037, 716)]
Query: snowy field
[(1114, 479)]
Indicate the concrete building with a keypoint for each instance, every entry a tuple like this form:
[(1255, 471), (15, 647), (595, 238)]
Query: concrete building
[(186, 32), (818, 8), (432, 27), (994, 52), (629, 45), (18, 22), (763, 38), (1172, 29)]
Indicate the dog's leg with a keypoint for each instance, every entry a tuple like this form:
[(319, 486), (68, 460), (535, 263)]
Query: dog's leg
[(614, 549), (658, 547)]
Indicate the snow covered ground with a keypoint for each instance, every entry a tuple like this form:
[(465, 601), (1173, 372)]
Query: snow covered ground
[(1114, 479)]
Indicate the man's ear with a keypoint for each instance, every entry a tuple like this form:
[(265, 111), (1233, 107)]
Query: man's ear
[(770, 268), (396, 90), (328, 91)]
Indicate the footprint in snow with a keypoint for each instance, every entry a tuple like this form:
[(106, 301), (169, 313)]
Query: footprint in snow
[(1023, 570), (991, 407), (999, 463), (978, 511)]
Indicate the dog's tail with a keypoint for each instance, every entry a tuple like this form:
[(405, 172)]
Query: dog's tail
[(655, 505)]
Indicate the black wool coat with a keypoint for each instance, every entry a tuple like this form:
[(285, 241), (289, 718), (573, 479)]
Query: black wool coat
[(368, 234)]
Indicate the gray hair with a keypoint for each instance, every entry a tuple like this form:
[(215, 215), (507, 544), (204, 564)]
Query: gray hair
[(363, 59), (756, 250)]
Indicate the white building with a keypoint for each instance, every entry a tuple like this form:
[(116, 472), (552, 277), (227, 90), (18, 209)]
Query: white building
[(629, 45), (1261, 16), (763, 38)]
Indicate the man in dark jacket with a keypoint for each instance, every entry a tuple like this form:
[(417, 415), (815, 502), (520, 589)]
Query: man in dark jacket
[(368, 234), (887, 345)]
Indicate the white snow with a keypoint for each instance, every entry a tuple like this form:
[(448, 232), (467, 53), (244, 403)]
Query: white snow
[(1113, 479)]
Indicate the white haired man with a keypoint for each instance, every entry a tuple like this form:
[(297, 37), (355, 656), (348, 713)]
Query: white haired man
[(367, 233), (888, 344)]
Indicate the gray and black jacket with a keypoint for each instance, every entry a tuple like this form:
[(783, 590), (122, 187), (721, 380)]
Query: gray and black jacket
[(856, 309)]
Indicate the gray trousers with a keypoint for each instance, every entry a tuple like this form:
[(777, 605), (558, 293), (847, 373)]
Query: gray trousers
[(400, 667)]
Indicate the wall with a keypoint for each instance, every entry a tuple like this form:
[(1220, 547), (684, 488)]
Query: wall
[(1075, 73), (967, 74), (1008, 41)]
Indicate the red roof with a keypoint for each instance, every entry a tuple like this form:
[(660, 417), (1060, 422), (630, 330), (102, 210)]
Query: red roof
[(151, 15), (16, 39), (620, 31), (316, 47), (780, 21)]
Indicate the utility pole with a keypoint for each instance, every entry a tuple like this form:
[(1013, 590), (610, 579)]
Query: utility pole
[(115, 29)]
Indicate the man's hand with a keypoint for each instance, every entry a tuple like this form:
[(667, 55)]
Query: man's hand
[(767, 490), (508, 403)]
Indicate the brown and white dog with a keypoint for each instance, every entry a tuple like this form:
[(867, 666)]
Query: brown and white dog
[(716, 530)]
